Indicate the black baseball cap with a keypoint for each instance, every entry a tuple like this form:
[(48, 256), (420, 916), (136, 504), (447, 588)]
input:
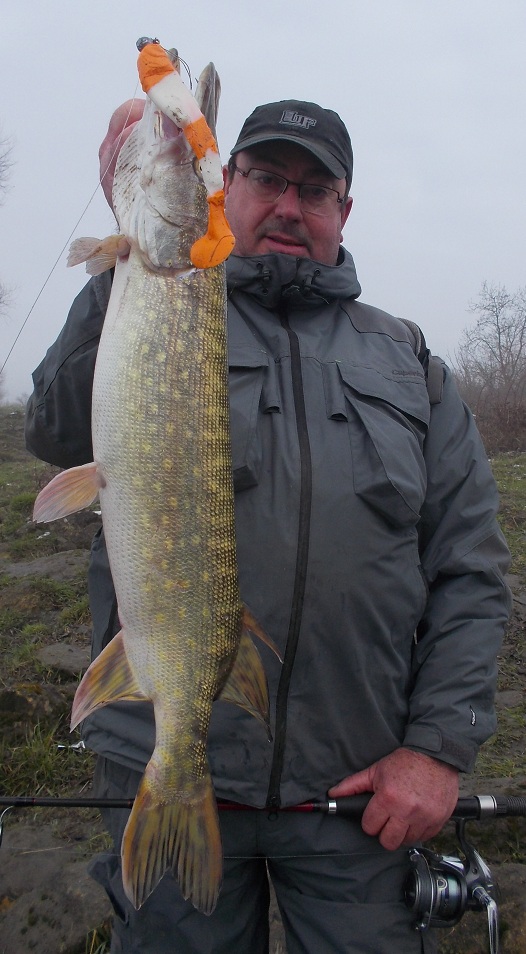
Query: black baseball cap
[(320, 131)]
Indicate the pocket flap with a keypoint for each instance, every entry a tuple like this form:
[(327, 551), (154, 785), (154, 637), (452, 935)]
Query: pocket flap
[(402, 388)]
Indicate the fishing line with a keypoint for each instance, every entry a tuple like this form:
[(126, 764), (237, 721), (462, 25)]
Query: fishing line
[(75, 227)]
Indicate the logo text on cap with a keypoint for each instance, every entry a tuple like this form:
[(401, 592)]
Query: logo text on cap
[(291, 118)]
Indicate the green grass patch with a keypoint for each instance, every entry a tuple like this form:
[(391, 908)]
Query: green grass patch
[(36, 766), (504, 755), (78, 612), (23, 503), (509, 471), (98, 941)]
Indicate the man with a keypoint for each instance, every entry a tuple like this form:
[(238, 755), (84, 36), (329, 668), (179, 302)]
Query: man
[(368, 550)]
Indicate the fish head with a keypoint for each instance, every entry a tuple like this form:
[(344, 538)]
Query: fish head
[(159, 196)]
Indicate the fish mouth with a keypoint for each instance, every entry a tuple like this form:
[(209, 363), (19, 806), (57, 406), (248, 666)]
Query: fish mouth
[(169, 137)]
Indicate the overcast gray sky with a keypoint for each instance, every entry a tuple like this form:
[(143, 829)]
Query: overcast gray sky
[(433, 94)]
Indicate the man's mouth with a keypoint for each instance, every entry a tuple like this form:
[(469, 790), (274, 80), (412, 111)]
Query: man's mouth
[(279, 241)]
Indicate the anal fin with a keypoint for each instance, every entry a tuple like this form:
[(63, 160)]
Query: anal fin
[(246, 685), (108, 679), (251, 624)]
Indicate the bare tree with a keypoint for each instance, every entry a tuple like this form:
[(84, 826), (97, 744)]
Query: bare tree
[(5, 162), (490, 367)]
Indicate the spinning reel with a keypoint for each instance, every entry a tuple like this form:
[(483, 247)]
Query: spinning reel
[(441, 888)]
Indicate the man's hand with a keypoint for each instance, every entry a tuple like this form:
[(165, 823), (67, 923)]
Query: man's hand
[(414, 795), (121, 124)]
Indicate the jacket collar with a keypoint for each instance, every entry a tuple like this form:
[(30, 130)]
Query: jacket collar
[(271, 279)]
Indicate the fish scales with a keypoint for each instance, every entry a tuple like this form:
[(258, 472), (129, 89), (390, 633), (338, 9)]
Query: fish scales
[(162, 386), (162, 469)]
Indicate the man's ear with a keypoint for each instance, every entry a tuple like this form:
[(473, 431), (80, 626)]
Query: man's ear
[(346, 211)]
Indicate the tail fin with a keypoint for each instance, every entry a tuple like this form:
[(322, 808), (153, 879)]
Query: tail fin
[(182, 835)]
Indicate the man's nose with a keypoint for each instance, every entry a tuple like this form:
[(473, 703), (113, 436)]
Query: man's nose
[(289, 205)]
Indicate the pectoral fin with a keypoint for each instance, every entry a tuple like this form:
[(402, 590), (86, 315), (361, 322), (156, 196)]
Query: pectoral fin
[(99, 254), (108, 679), (69, 491)]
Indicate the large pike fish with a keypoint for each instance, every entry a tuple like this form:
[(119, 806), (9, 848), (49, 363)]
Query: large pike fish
[(162, 470)]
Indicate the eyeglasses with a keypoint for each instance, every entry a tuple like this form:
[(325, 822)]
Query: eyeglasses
[(268, 187)]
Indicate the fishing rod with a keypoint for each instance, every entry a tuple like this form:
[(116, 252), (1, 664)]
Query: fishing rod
[(438, 889), (474, 807)]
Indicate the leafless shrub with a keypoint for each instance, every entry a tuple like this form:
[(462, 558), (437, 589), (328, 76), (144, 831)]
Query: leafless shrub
[(490, 367)]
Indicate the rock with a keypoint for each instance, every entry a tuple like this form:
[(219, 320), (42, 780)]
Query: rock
[(29, 703), (514, 582), (509, 698), (64, 658), (67, 565), (48, 902), (512, 904)]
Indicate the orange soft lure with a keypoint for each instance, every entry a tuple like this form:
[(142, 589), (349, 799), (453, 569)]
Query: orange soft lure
[(162, 83)]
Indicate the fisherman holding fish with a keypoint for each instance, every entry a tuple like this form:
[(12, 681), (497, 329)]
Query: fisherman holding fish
[(368, 553)]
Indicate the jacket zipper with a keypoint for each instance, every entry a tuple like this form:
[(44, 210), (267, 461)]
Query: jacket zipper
[(302, 555)]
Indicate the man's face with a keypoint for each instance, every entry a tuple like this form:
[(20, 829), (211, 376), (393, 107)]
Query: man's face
[(262, 227)]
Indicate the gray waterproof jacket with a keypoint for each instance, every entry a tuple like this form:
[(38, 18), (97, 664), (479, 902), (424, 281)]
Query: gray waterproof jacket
[(366, 530)]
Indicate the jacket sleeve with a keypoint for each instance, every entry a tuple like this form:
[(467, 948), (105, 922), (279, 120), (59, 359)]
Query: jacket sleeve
[(58, 414), (464, 558)]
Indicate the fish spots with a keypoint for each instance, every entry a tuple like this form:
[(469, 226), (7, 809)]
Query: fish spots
[(168, 464)]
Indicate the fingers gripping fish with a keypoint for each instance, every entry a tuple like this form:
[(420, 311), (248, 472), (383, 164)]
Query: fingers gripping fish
[(162, 470)]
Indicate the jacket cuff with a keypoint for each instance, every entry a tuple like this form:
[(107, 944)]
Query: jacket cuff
[(430, 741)]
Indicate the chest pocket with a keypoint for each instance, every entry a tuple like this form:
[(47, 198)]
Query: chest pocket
[(253, 391), (387, 422)]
